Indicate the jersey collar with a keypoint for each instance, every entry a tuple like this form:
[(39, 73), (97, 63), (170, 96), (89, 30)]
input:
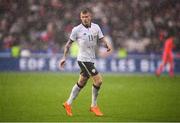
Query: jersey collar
[(86, 25)]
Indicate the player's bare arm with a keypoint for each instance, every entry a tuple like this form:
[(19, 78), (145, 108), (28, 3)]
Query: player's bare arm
[(66, 50), (107, 45)]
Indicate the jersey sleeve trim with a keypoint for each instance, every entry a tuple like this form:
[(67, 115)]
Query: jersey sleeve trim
[(71, 40), (101, 38)]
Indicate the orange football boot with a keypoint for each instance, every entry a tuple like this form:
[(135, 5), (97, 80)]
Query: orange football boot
[(96, 111), (68, 109)]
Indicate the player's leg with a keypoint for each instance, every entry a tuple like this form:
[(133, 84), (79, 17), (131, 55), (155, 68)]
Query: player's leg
[(74, 93), (97, 81), (161, 66), (83, 78), (76, 88), (171, 62)]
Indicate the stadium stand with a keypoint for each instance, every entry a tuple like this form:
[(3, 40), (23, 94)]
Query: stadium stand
[(44, 25)]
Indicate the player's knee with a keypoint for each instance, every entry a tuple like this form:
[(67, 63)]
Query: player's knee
[(97, 80), (99, 83), (82, 81)]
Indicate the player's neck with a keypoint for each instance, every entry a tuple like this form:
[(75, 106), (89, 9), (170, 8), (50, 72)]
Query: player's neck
[(87, 25)]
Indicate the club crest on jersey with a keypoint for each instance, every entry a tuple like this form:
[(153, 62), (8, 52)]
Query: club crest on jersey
[(93, 70)]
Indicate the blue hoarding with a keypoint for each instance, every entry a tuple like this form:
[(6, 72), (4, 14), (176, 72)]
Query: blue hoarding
[(140, 64)]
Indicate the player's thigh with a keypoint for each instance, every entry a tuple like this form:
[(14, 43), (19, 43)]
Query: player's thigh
[(170, 58), (83, 72), (88, 68), (164, 58)]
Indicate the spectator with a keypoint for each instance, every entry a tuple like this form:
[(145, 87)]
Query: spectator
[(121, 20)]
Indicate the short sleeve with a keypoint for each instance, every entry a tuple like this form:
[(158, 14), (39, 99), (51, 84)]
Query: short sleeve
[(100, 34), (73, 35)]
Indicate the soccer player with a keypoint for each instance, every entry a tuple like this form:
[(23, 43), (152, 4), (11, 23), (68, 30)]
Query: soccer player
[(86, 35), (167, 57)]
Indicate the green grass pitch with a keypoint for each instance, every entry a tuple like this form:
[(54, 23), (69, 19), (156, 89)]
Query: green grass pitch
[(39, 97)]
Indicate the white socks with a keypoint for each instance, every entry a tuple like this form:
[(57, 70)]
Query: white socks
[(94, 95), (75, 91)]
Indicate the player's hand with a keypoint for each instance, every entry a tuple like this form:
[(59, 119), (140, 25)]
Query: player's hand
[(109, 49), (62, 63)]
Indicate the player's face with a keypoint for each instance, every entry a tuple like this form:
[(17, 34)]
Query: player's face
[(86, 19)]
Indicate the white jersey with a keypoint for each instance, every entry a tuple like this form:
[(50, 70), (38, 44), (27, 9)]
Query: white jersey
[(87, 41)]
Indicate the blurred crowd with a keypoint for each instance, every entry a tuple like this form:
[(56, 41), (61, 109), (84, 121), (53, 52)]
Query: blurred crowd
[(45, 25)]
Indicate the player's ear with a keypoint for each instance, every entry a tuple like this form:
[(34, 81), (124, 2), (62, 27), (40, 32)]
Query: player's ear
[(80, 15)]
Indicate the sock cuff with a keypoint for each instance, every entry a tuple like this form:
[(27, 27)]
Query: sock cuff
[(79, 85), (97, 87)]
